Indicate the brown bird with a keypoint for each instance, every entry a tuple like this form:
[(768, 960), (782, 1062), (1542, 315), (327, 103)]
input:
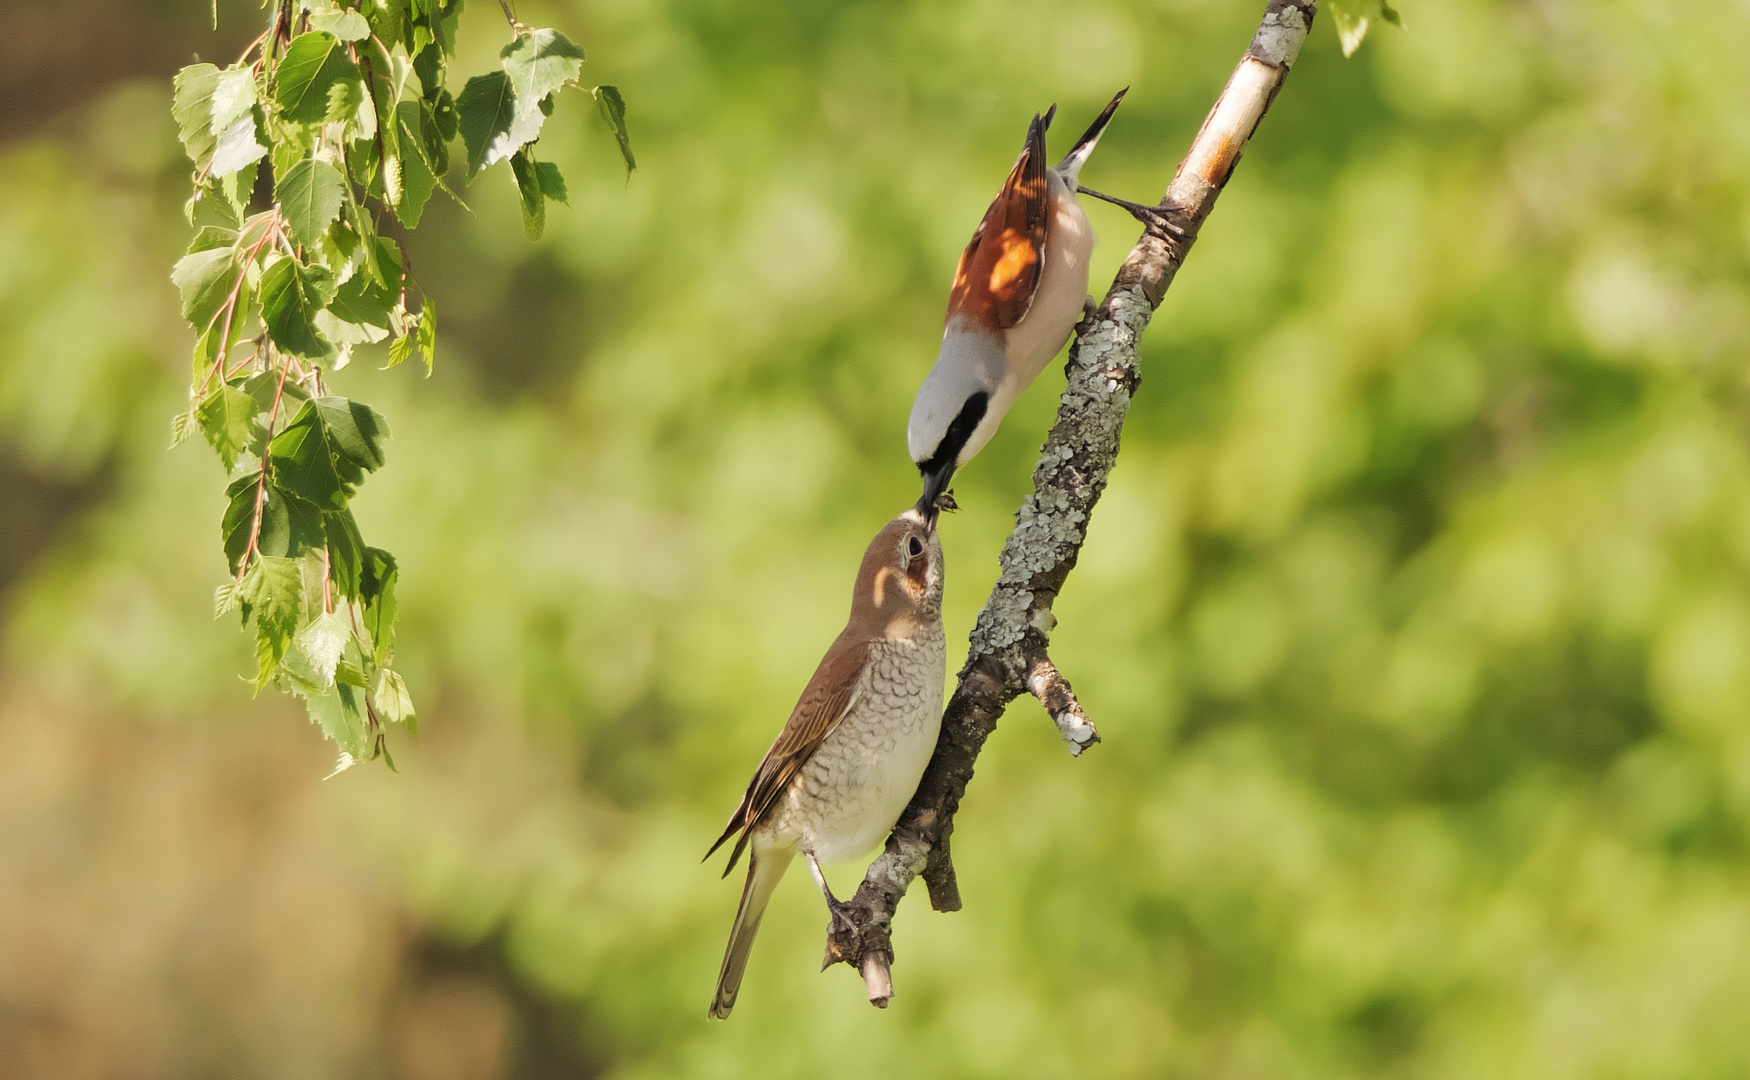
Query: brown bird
[(850, 757)]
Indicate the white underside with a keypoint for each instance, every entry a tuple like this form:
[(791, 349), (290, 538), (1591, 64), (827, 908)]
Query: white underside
[(855, 785), (969, 360)]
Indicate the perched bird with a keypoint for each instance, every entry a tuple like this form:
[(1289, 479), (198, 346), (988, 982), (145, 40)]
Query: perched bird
[(1020, 288), (850, 757)]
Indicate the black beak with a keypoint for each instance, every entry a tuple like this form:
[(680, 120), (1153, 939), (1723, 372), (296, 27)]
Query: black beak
[(935, 486)]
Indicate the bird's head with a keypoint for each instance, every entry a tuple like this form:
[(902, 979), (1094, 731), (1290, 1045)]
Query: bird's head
[(900, 583)]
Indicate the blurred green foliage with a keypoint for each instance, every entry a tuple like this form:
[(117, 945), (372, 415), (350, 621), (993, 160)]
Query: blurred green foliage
[(1415, 621)]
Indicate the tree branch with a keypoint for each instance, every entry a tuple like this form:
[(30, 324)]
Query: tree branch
[(1008, 655)]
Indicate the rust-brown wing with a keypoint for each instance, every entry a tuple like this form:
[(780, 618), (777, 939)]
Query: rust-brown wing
[(824, 702), (999, 270)]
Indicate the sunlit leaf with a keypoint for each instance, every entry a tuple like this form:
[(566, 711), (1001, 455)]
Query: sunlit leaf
[(227, 419), (206, 280), (273, 593), (347, 25), (428, 333), (309, 197), (312, 65), (539, 63), (192, 107)]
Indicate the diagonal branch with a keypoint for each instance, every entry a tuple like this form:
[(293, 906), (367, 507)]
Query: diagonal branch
[(1008, 655)]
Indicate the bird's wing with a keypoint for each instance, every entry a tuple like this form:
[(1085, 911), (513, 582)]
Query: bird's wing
[(999, 270), (825, 701)]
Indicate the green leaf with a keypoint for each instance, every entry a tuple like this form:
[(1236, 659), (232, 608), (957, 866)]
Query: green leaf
[(237, 187), (296, 525), (613, 109), (539, 63), (304, 464), (347, 25), (237, 146), (552, 183), (346, 552), (264, 386), (192, 107), (485, 112), (323, 454), (313, 64), (239, 518), (388, 19), (227, 419), (346, 104), (292, 142), (211, 204), (315, 652), (528, 183), (291, 295), (368, 297), (401, 349), (182, 425), (233, 96), (205, 279), (383, 264), (273, 592), (227, 598), (206, 352), (418, 178), (355, 430), (360, 302), (290, 526), (428, 59), (428, 333), (393, 703), (385, 75), (309, 196), (339, 710), (377, 590), (442, 123), (351, 669), (212, 236)]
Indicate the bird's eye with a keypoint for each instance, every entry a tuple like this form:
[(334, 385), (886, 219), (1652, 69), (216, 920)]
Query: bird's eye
[(916, 547)]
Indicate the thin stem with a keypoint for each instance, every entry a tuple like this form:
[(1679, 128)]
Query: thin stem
[(254, 547), (230, 307)]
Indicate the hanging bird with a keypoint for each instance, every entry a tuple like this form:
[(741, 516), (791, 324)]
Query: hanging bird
[(1020, 288), (850, 757)]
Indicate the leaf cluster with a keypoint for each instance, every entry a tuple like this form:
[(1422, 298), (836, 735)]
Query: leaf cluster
[(341, 110)]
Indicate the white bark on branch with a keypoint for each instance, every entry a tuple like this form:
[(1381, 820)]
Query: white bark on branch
[(1009, 645)]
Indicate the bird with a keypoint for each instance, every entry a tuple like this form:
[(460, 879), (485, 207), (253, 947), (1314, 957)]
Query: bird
[(850, 757), (1019, 290)]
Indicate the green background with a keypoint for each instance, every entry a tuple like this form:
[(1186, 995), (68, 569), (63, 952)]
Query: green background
[(1415, 620)]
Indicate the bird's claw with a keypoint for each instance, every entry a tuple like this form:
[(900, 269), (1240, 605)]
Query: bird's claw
[(1154, 217), (840, 926)]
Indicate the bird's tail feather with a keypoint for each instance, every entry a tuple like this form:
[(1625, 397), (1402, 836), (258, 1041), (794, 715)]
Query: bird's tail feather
[(765, 868), (1071, 165)]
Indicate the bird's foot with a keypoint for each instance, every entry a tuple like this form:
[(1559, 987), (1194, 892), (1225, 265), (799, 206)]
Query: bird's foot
[(1154, 217), (840, 925)]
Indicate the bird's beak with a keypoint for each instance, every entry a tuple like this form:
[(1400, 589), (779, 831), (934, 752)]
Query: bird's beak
[(935, 483)]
